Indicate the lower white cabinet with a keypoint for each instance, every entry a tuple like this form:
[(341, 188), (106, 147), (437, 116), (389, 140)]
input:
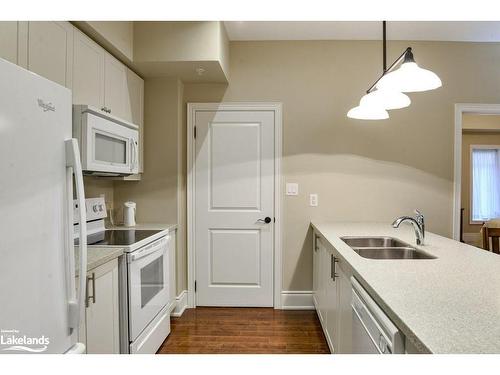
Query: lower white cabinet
[(332, 304), (332, 295), (320, 280), (344, 311), (100, 330)]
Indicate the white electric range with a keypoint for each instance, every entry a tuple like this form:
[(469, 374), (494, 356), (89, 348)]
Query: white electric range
[(143, 273)]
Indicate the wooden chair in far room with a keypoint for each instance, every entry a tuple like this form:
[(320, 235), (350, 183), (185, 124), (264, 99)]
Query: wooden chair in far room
[(491, 230)]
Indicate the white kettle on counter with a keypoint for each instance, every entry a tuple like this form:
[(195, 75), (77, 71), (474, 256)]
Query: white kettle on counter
[(129, 214)]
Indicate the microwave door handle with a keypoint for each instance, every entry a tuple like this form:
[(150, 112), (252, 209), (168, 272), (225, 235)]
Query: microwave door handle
[(77, 308), (132, 154), (136, 154)]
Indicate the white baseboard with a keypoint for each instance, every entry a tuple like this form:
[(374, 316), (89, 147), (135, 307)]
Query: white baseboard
[(181, 302), (297, 300)]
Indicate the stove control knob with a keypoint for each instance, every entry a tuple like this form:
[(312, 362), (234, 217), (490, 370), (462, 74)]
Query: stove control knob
[(95, 208), (101, 208)]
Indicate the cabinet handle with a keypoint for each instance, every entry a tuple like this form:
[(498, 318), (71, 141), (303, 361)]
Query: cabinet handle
[(87, 299), (316, 238), (333, 271)]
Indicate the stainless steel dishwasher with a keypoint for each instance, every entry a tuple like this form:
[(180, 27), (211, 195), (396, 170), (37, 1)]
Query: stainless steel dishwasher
[(372, 331)]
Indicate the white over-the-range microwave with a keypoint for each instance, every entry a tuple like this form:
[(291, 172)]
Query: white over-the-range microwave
[(109, 146)]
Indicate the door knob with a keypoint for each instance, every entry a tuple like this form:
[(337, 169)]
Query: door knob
[(266, 220)]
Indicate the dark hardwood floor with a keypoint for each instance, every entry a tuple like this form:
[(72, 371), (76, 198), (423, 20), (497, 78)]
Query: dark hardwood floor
[(245, 330)]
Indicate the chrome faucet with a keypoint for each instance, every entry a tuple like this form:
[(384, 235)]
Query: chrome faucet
[(418, 224)]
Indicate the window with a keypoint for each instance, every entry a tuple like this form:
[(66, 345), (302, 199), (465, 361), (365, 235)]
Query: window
[(485, 175)]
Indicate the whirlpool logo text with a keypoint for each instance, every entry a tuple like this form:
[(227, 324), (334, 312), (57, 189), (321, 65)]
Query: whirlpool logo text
[(12, 341)]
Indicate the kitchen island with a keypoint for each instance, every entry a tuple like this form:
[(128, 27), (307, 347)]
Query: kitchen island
[(450, 304)]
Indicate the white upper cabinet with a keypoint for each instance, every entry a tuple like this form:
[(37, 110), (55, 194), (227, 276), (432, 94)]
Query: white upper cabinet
[(8, 41), (88, 71), (135, 109), (50, 47), (60, 52), (115, 87), (134, 102)]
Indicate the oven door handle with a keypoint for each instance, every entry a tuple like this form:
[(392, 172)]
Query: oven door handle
[(148, 250)]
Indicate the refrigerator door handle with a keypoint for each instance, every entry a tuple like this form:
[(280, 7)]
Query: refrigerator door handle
[(77, 308)]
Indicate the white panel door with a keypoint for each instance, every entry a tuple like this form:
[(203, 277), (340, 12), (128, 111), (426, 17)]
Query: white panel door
[(234, 190)]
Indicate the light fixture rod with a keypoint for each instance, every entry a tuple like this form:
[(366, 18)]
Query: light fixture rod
[(389, 69), (384, 47)]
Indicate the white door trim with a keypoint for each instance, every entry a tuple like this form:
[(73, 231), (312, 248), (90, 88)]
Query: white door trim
[(278, 196), (460, 109)]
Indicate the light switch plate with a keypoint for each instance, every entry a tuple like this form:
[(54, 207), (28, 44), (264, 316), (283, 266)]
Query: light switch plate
[(313, 200), (292, 188)]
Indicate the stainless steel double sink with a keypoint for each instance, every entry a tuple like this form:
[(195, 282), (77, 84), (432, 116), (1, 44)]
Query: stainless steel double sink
[(384, 248)]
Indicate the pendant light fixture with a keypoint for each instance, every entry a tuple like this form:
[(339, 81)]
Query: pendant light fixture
[(387, 91), (409, 77)]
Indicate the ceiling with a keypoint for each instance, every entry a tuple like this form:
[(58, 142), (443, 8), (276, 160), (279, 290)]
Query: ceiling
[(460, 31)]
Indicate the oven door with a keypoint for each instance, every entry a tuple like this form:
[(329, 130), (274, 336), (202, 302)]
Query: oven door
[(147, 284), (111, 148)]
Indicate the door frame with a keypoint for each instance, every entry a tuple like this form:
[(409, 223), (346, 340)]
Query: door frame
[(192, 108), (460, 109)]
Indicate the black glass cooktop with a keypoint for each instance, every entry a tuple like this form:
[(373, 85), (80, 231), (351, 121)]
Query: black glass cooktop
[(120, 237)]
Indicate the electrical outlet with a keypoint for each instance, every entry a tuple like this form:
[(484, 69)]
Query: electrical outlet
[(292, 188), (313, 200)]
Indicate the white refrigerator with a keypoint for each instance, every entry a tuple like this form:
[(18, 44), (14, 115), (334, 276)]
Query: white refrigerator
[(41, 302)]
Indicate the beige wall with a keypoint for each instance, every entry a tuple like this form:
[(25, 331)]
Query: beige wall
[(361, 170), (469, 139), (116, 36), (180, 48), (176, 41), (156, 193), (477, 122), (95, 187)]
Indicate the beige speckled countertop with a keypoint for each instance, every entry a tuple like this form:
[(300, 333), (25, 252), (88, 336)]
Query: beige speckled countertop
[(96, 256), (446, 305)]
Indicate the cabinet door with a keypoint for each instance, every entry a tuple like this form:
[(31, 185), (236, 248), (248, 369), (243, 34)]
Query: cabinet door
[(115, 87), (88, 71), (332, 302), (102, 314), (322, 275), (134, 107), (316, 270), (50, 50), (8, 41), (135, 97), (344, 309)]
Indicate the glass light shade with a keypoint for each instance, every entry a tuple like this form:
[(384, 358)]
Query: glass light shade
[(368, 112), (386, 99), (409, 78)]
